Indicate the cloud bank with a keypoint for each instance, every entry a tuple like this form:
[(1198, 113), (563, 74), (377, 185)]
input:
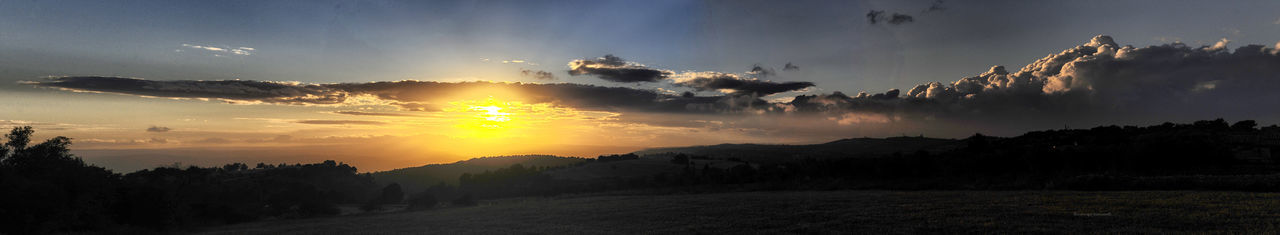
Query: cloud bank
[(409, 95), (1099, 79)]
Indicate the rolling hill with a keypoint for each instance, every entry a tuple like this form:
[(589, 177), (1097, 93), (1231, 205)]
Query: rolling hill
[(853, 147), (414, 179)]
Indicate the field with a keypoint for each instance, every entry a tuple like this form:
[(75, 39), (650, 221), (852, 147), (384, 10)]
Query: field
[(823, 212)]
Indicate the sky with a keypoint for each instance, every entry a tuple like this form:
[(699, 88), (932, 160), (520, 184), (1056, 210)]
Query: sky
[(392, 84)]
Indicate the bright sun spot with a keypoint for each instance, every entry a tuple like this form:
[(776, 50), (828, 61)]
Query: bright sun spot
[(486, 119), (493, 113)]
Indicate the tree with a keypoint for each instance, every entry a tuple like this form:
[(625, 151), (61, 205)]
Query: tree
[(1246, 125), (46, 189), (392, 194)]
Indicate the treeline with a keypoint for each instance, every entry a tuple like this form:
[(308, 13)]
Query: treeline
[(45, 189)]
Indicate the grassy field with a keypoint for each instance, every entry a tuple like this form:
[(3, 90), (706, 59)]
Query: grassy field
[(823, 212)]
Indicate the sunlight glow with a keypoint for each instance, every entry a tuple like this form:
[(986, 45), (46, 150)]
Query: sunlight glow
[(488, 119)]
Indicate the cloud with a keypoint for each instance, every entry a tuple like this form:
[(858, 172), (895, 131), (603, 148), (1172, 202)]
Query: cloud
[(339, 122), (360, 113), (228, 90), (731, 83), (220, 51), (614, 69), (1097, 80), (408, 95), (877, 16), (538, 74), (158, 129), (790, 67), (424, 95), (728, 83), (935, 6), (760, 72)]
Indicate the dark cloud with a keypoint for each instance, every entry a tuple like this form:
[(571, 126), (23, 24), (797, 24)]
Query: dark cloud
[(705, 81), (900, 19), (340, 122), (874, 16), (158, 129), (878, 16), (409, 95), (612, 68), (935, 6), (360, 113), (538, 74), (760, 72), (230, 90), (790, 67)]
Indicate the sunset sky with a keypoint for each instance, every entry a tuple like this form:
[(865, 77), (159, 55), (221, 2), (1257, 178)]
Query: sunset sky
[(392, 84)]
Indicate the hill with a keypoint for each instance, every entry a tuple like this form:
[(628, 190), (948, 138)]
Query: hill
[(853, 147), (414, 179), (821, 212)]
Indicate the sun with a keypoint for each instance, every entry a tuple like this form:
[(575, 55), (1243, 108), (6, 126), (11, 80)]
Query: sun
[(492, 114), (485, 119)]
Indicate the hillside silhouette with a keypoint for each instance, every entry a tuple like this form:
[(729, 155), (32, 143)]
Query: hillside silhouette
[(48, 190), (421, 177), (853, 147)]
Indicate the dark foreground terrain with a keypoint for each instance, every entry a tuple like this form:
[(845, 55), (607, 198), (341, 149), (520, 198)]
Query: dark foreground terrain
[(823, 212)]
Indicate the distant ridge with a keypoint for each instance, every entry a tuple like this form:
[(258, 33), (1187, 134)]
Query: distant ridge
[(414, 179), (852, 147)]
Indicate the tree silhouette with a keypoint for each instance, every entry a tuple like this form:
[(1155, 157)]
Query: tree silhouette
[(47, 189), (392, 193)]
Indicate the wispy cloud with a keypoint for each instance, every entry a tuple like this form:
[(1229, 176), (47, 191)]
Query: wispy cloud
[(362, 113), (220, 51), (339, 122)]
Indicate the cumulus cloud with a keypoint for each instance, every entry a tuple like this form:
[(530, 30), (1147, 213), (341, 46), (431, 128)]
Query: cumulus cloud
[(538, 74), (612, 68), (158, 129), (734, 84), (1099, 79)]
